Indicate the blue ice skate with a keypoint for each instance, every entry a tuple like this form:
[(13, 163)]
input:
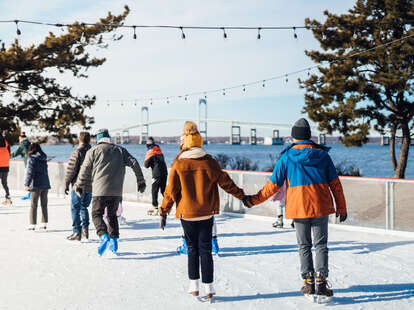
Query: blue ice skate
[(26, 197), (113, 245), (104, 244), (182, 249), (214, 245)]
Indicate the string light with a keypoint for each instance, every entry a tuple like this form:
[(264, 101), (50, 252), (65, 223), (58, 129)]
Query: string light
[(258, 33), (205, 95), (17, 28), (294, 33), (242, 86), (182, 33), (224, 33), (135, 33)]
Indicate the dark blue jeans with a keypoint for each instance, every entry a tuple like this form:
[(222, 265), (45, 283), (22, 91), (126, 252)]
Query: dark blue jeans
[(79, 208)]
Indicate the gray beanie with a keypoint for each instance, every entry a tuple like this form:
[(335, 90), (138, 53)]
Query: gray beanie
[(301, 130)]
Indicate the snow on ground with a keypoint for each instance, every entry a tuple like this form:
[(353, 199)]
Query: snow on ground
[(258, 267)]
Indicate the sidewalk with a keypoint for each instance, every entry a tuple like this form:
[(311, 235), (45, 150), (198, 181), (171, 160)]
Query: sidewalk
[(258, 267)]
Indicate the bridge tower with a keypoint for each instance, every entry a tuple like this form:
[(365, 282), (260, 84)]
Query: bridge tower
[(235, 137), (202, 122), (276, 139), (144, 125), (125, 136), (253, 137), (322, 139), (385, 140)]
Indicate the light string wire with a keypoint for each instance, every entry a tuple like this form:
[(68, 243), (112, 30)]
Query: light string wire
[(223, 90)]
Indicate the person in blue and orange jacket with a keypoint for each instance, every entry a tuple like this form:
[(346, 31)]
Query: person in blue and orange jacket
[(311, 178), (154, 159)]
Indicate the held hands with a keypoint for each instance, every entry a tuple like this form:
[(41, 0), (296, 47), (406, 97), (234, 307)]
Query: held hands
[(163, 221), (141, 187), (27, 188), (247, 201), (78, 190), (342, 216)]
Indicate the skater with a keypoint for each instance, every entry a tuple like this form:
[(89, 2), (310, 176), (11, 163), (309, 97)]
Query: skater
[(4, 168), (192, 185), (311, 178), (37, 182), (79, 205), (22, 150), (280, 199), (155, 159), (104, 166)]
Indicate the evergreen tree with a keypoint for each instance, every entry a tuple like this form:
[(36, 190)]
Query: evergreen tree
[(373, 89), (28, 93)]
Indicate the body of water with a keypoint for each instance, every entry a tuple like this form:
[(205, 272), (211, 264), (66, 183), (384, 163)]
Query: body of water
[(373, 160)]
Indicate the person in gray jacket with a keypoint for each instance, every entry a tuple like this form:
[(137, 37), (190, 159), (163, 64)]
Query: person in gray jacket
[(104, 166)]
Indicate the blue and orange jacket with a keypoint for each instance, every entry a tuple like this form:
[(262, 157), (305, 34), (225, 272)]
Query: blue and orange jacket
[(311, 177), (154, 159)]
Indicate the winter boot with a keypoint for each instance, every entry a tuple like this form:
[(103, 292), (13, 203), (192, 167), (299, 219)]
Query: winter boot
[(182, 249), (323, 290), (113, 245), (279, 222), (209, 290), (85, 233), (308, 287), (193, 288), (104, 244), (74, 236), (214, 245)]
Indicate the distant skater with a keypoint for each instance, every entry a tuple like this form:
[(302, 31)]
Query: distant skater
[(4, 168), (311, 177), (79, 204), (22, 151), (154, 159), (104, 166), (193, 185), (37, 182)]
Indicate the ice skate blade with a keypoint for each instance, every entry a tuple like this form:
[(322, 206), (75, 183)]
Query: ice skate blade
[(320, 299), (310, 297)]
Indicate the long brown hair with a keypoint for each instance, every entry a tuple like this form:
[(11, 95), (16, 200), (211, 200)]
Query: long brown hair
[(33, 149)]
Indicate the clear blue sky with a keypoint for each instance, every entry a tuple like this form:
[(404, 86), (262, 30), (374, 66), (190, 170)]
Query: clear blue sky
[(160, 63)]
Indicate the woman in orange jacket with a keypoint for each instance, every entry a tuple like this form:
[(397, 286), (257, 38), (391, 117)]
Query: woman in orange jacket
[(193, 186)]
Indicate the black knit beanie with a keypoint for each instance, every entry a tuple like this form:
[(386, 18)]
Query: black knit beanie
[(301, 130)]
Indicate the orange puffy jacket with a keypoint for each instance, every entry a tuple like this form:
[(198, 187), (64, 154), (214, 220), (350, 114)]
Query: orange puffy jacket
[(5, 155)]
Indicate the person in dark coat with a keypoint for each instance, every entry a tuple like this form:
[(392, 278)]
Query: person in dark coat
[(79, 205), (23, 148), (154, 159), (37, 182)]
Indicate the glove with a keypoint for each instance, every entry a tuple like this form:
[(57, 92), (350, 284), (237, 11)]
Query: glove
[(66, 191), (247, 201), (342, 216), (163, 221), (78, 190), (141, 187)]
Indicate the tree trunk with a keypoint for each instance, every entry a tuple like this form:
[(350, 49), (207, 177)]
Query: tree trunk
[(392, 146), (405, 147)]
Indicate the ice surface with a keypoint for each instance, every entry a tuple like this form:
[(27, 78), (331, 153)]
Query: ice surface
[(258, 267)]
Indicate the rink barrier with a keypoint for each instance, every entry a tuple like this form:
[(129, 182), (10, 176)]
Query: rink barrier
[(382, 203)]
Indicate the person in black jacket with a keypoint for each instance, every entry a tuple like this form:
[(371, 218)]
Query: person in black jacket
[(37, 182), (155, 159), (79, 205)]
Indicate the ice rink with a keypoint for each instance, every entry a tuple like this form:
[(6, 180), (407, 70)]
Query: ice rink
[(258, 266)]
